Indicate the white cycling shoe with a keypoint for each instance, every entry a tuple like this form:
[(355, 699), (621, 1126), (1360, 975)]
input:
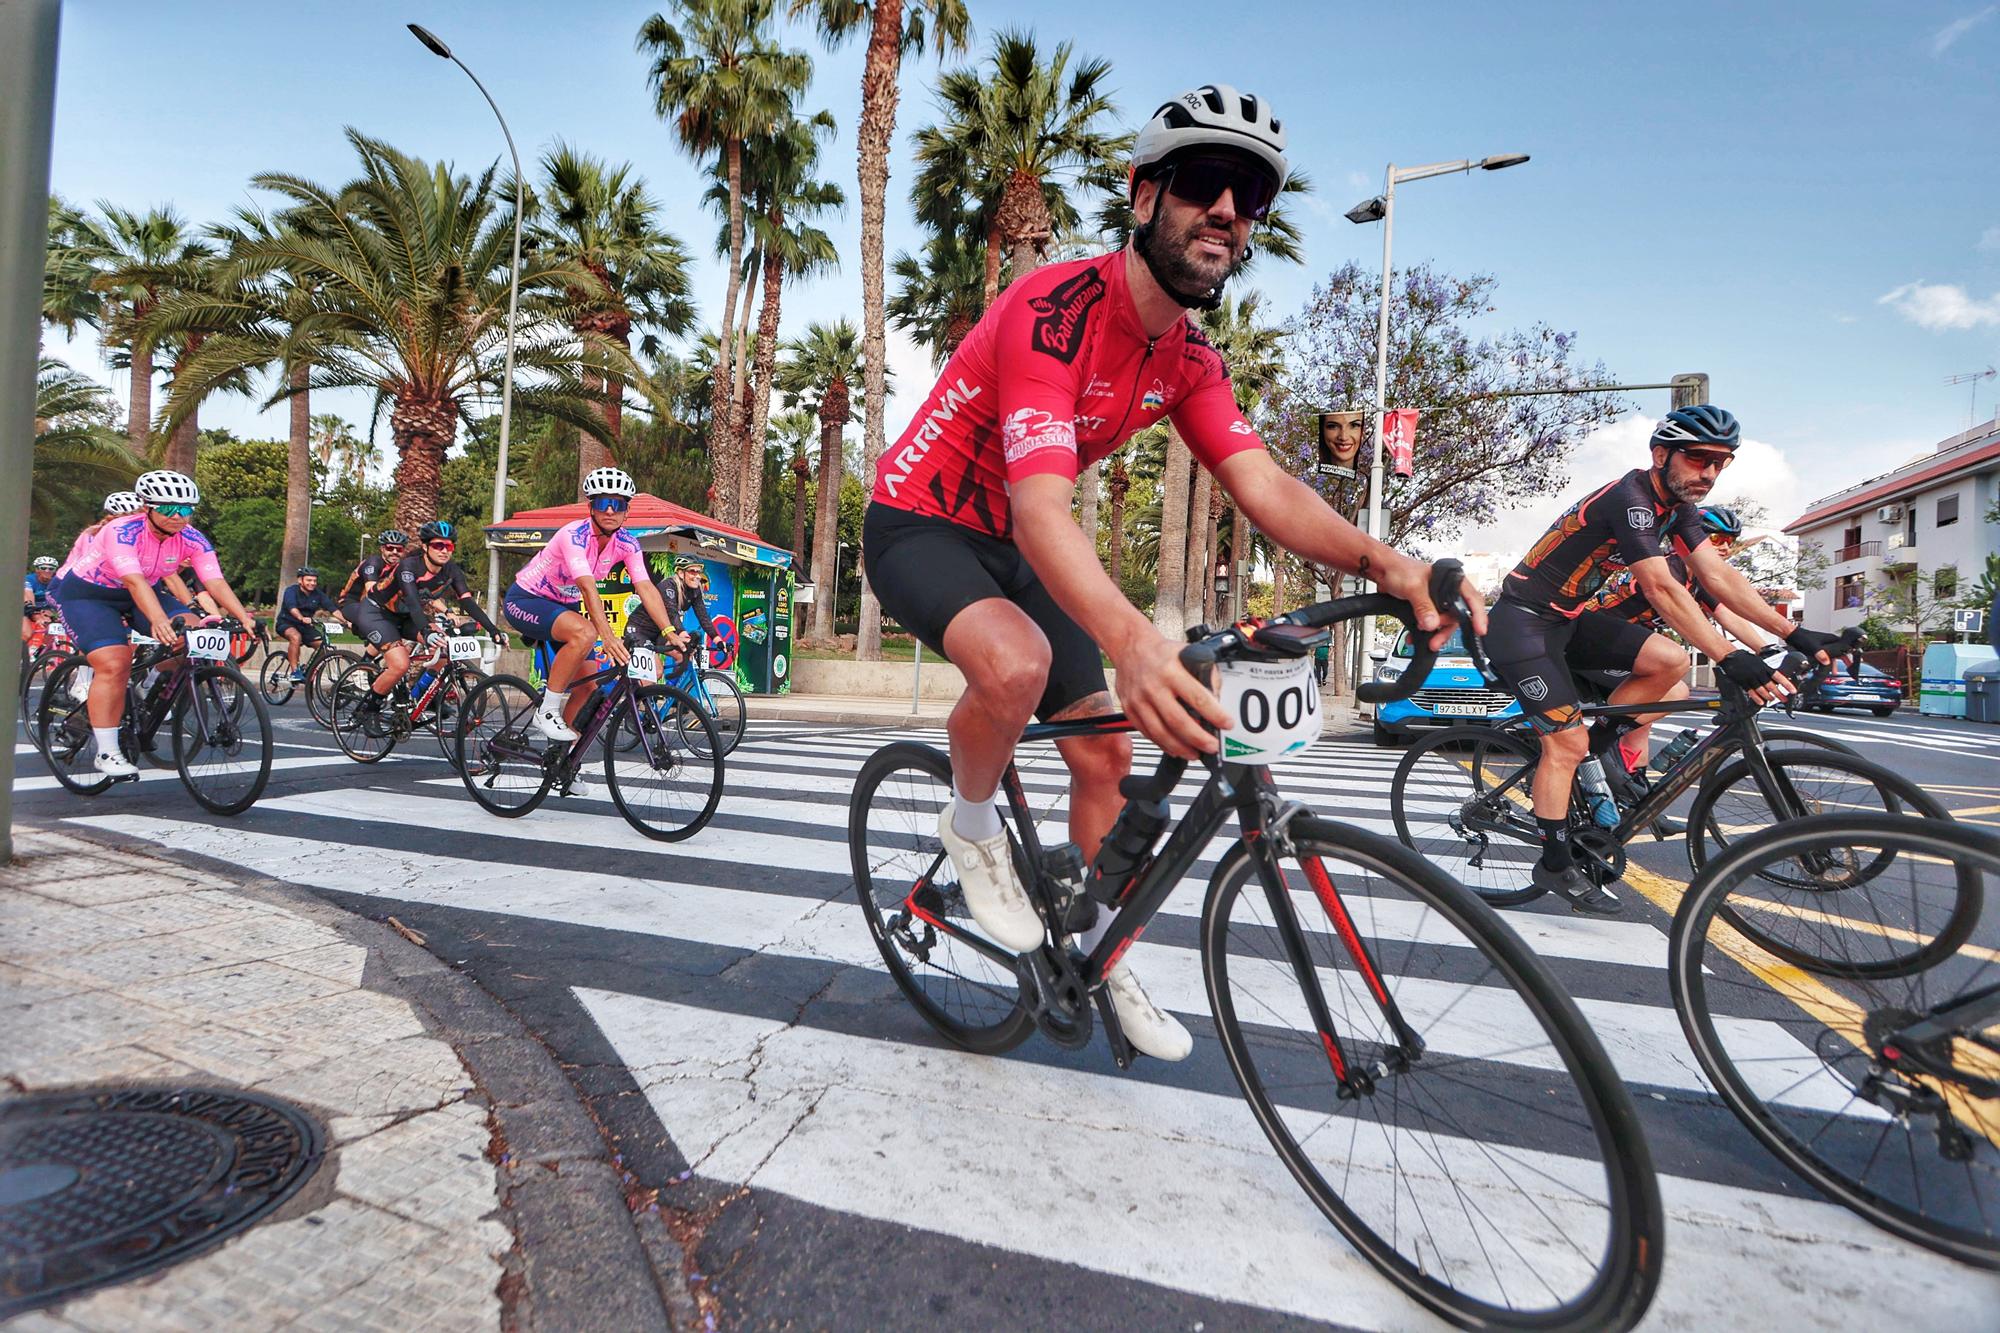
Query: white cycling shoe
[(114, 765), (1151, 1030), (992, 886), (549, 721)]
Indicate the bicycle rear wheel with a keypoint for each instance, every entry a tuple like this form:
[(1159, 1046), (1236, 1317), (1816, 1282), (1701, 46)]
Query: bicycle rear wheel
[(1460, 1124), (1816, 782), (34, 683), (364, 733), (504, 762), (1900, 1126), (222, 739), (63, 735), (723, 698), (665, 785), (1461, 801), (321, 677), (274, 680), (442, 720), (906, 884)]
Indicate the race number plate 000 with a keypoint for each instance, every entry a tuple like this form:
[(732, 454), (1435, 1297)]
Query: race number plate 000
[(1276, 707), (645, 665), (462, 648), (208, 644)]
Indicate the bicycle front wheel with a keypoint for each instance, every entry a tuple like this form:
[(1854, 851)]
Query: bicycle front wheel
[(321, 677), (907, 885), (504, 762), (442, 720), (1460, 1124), (1734, 804), (274, 679), (364, 724), (1883, 1090), (62, 730), (668, 783), (222, 739), (1461, 800), (723, 698)]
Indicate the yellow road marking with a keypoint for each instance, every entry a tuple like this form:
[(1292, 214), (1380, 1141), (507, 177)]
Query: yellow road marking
[(1825, 1005), (1864, 927)]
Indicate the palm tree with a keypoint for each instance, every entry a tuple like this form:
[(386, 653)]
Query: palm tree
[(720, 78), (130, 252), (939, 297), (796, 429), (406, 274), (819, 374), (894, 27), (1016, 140), (68, 298), (602, 218), (78, 456)]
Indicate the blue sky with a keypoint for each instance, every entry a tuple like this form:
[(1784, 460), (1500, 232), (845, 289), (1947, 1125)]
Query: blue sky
[(1799, 199)]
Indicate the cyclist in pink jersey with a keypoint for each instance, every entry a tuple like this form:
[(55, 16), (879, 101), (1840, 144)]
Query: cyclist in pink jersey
[(554, 598), (109, 592), (116, 505), (969, 539)]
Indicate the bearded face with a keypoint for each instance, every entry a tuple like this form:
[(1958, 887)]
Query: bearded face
[(1193, 248)]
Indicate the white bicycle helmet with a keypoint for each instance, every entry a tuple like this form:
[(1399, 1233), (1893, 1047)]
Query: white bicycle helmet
[(609, 481), (120, 503), (1214, 115), (46, 562), (167, 488)]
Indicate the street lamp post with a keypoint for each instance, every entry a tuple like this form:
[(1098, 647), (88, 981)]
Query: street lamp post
[(1382, 208), (438, 48)]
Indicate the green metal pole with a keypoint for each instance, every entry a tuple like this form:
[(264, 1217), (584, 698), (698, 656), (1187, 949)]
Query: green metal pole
[(27, 117)]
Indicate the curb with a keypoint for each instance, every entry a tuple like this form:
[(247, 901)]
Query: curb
[(578, 1259)]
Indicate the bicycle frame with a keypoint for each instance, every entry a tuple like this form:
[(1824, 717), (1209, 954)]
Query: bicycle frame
[(620, 695), (1251, 795)]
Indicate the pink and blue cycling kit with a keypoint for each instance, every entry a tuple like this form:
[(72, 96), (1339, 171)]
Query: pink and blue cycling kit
[(83, 548), (577, 552), (132, 545)]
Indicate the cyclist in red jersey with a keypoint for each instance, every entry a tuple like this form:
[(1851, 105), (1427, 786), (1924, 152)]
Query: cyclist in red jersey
[(969, 541)]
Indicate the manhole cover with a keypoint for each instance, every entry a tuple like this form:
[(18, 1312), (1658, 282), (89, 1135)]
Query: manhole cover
[(96, 1187)]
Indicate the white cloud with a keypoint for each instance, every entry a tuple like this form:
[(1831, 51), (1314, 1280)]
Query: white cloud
[(911, 378), (1847, 319), (1989, 240), (1944, 38), (1940, 305)]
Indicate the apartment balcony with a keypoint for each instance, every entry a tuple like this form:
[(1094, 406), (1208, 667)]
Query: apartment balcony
[(1898, 551), (1858, 551)]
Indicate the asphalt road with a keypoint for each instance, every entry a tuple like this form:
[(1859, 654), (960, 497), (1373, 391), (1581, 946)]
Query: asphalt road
[(833, 1164)]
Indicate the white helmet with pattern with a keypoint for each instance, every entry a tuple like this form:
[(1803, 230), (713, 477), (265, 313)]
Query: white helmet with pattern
[(167, 488), (1214, 115), (609, 481), (120, 503)]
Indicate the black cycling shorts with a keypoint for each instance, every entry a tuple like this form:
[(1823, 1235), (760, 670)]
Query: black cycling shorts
[(926, 570), (374, 624), (1534, 652)]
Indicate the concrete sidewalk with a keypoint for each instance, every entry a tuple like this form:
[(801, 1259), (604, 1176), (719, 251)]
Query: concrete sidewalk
[(462, 1186)]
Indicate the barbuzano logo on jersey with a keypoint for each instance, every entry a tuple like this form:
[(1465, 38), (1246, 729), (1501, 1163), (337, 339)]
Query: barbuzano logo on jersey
[(1060, 314), (1535, 688), (1640, 517)]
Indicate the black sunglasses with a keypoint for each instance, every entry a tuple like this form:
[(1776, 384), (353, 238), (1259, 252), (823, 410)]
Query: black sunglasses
[(1201, 180)]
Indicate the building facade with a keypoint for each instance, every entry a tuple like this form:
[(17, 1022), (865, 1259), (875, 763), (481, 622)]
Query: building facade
[(1922, 527)]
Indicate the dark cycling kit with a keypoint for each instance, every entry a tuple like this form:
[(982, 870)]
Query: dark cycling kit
[(639, 624), (306, 604), (1621, 596), (1545, 624), (400, 611), (374, 569), (1053, 378)]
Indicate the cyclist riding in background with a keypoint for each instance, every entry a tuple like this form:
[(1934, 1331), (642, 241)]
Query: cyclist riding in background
[(968, 540), (555, 600), (1622, 597), (40, 578), (398, 608), (374, 571), (109, 593), (684, 592), (296, 609), (1544, 626)]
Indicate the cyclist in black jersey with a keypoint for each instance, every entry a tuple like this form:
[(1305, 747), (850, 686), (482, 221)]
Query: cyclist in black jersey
[(1544, 625), (374, 571), (398, 607), (685, 591)]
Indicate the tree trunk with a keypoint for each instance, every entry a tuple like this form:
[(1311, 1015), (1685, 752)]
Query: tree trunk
[(297, 549), (139, 427), (992, 289), (591, 452), (722, 405), (764, 365), (878, 125), (179, 455), (800, 470), (1210, 610), (1278, 563), (1088, 489), (833, 411), (423, 428), (1170, 568), (1195, 599), (1118, 485), (739, 365)]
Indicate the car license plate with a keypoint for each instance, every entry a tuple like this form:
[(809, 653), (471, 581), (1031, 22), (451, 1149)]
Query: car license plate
[(1460, 710)]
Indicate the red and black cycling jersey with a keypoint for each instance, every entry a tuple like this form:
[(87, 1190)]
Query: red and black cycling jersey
[(416, 584), (1621, 596), (1054, 377), (372, 570), (1610, 529)]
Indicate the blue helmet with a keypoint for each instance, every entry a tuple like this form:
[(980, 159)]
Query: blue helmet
[(1703, 424), (437, 530), (1721, 521)]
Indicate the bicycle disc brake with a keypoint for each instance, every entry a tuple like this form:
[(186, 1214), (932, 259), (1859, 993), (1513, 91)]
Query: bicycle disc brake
[(1599, 855)]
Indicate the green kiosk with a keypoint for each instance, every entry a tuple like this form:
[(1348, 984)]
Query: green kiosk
[(750, 596)]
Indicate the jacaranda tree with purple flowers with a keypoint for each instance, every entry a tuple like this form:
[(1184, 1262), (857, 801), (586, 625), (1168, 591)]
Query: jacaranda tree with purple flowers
[(1476, 457)]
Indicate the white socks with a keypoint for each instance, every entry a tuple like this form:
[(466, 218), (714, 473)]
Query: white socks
[(971, 819), (107, 740)]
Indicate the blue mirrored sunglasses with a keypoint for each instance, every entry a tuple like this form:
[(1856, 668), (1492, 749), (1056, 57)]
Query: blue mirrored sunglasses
[(174, 511), (610, 504)]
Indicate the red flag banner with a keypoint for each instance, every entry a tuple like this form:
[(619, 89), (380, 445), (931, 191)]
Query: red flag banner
[(1399, 437)]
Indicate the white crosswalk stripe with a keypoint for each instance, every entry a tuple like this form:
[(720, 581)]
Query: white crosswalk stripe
[(1164, 1178)]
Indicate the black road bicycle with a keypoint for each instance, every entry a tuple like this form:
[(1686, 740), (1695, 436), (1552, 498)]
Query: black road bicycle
[(664, 779), (322, 667), (1884, 1088), (1428, 1083), (428, 698), (221, 731)]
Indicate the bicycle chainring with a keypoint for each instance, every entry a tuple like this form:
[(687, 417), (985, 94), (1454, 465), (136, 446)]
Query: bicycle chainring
[(1599, 855)]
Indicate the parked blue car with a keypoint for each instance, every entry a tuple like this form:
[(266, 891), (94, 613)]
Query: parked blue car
[(1454, 692), (1875, 690)]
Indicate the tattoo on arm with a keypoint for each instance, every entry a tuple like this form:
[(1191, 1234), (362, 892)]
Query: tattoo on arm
[(1362, 567)]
